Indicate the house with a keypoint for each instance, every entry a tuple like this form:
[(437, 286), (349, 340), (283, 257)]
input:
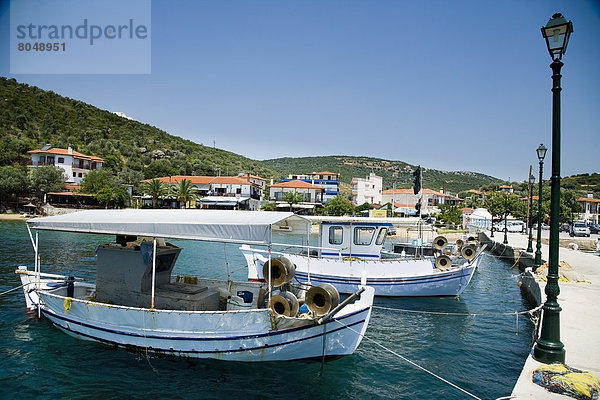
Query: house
[(478, 218), (222, 192), (505, 188), (312, 195), (74, 164), (590, 208), (329, 181), (431, 199), (367, 190)]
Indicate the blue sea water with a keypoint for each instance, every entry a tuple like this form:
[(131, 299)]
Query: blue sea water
[(482, 354)]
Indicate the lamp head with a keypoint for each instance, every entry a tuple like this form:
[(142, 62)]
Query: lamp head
[(541, 152), (556, 33)]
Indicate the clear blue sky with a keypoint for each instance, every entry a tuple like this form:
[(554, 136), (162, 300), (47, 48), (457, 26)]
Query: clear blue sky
[(451, 85)]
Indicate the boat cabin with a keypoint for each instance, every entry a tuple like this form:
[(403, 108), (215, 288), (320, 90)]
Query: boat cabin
[(124, 277), (352, 239)]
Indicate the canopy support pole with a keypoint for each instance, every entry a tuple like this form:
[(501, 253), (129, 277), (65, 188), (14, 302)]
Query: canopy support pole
[(153, 272)]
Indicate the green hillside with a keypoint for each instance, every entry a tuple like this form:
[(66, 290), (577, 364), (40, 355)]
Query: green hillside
[(31, 117), (392, 172)]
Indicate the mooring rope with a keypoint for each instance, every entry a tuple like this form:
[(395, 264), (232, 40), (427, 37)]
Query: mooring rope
[(409, 361), (13, 289), (486, 314)]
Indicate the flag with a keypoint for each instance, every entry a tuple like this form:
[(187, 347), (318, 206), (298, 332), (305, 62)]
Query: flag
[(417, 176)]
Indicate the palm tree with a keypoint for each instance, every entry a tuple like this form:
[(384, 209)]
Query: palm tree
[(184, 191), (156, 189)]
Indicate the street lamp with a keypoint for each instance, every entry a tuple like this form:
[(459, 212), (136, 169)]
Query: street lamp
[(541, 153), (491, 212), (548, 347), (505, 241), (530, 211)]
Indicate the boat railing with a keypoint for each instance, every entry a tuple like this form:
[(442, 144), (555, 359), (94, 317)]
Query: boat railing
[(303, 247)]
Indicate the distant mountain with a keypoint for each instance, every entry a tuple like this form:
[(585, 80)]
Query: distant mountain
[(31, 117), (392, 172)]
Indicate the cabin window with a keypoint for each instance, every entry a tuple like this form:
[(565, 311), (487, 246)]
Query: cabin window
[(381, 236), (363, 235), (336, 235)]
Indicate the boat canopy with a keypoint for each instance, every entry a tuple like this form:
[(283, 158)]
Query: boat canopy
[(252, 227)]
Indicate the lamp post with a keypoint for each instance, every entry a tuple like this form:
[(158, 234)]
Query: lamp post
[(548, 347), (530, 211), (492, 213), (541, 153), (505, 241)]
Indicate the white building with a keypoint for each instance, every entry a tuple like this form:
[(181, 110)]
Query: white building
[(329, 181), (367, 190), (312, 195), (74, 164), (235, 192)]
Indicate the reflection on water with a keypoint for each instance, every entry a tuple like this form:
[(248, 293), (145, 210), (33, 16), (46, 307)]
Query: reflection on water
[(481, 353)]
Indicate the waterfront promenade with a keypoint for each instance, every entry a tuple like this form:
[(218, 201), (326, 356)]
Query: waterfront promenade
[(579, 318)]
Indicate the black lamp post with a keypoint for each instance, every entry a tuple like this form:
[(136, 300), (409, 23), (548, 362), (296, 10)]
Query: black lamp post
[(541, 153), (505, 241), (548, 347), (530, 212), (492, 213)]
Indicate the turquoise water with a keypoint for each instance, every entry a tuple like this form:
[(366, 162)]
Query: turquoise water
[(482, 354)]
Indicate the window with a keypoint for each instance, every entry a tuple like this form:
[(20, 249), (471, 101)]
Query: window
[(363, 235), (61, 160), (336, 235), (381, 236), (74, 174)]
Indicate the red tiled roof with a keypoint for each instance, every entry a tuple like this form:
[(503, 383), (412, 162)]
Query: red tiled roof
[(203, 180), (296, 184), (65, 152), (588, 200), (323, 173)]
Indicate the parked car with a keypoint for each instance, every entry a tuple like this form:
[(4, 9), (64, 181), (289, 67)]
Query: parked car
[(594, 228), (544, 226), (511, 226), (580, 229), (564, 228)]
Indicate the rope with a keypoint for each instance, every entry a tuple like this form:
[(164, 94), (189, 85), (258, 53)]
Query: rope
[(409, 361), (460, 314), (12, 290)]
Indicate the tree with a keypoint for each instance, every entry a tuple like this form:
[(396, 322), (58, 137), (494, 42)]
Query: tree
[(184, 191), (338, 206), (292, 198), (363, 207), (13, 182), (112, 195), (47, 178), (156, 189), (499, 204), (94, 181), (450, 214)]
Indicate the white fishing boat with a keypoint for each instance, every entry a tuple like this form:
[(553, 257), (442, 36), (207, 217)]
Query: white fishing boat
[(350, 254), (136, 302)]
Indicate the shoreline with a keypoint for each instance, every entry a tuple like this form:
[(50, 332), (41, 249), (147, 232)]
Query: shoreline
[(12, 217)]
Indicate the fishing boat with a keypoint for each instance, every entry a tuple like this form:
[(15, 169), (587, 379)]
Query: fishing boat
[(350, 254), (136, 302)]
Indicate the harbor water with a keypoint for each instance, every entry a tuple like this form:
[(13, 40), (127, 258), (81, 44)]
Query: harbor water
[(477, 342)]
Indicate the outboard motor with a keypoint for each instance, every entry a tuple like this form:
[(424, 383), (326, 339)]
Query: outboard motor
[(70, 286)]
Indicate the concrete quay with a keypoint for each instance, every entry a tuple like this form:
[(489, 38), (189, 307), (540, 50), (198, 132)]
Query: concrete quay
[(579, 319)]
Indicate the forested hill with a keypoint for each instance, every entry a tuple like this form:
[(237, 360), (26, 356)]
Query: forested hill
[(397, 172), (31, 117)]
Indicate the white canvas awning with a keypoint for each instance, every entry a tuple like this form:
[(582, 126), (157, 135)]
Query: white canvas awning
[(252, 227), (223, 200)]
